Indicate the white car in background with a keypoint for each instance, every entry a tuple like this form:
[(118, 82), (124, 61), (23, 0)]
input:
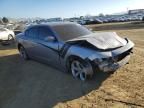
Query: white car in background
[(6, 35)]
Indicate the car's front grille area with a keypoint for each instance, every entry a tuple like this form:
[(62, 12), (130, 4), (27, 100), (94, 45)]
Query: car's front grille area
[(122, 56)]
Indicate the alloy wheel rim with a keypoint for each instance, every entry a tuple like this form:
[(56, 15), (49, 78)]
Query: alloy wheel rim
[(78, 70)]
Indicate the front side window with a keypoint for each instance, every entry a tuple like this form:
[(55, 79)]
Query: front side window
[(44, 32)]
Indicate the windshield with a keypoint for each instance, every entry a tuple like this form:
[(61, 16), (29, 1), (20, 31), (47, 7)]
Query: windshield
[(70, 31)]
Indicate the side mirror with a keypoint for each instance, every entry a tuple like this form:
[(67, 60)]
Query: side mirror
[(50, 39)]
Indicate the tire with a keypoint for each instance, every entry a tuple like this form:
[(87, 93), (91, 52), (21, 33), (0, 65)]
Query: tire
[(23, 53), (81, 69)]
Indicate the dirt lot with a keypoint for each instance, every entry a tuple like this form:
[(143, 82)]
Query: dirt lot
[(34, 85)]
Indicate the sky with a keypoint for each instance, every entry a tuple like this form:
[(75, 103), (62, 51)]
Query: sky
[(65, 8)]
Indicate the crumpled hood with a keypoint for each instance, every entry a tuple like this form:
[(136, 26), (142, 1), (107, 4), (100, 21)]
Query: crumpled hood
[(104, 40)]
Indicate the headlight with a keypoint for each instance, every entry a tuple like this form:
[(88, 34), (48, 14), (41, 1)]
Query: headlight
[(101, 60), (98, 60)]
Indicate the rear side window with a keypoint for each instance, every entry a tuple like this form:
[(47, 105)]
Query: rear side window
[(44, 32), (32, 33)]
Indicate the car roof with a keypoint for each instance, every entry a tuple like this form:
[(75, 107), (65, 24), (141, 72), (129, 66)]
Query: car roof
[(52, 24)]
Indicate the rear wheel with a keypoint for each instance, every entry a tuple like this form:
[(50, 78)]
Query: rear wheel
[(23, 53), (81, 69)]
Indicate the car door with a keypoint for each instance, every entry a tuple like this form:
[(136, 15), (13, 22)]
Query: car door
[(30, 41), (47, 51)]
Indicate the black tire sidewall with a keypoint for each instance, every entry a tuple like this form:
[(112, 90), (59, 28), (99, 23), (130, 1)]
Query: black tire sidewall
[(26, 56)]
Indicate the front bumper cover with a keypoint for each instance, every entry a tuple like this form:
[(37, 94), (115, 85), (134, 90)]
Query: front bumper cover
[(106, 67)]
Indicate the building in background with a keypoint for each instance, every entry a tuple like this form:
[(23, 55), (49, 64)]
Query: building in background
[(136, 11)]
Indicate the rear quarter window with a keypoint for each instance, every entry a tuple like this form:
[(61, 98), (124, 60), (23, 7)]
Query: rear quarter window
[(32, 33)]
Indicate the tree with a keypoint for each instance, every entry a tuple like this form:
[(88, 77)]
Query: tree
[(101, 15), (5, 20), (81, 17)]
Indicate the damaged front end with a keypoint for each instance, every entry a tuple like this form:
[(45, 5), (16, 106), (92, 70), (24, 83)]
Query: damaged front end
[(107, 51), (112, 63)]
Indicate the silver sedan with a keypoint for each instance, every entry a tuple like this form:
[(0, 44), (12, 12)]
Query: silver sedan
[(73, 48)]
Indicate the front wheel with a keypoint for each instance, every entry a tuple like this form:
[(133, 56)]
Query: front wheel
[(81, 69)]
